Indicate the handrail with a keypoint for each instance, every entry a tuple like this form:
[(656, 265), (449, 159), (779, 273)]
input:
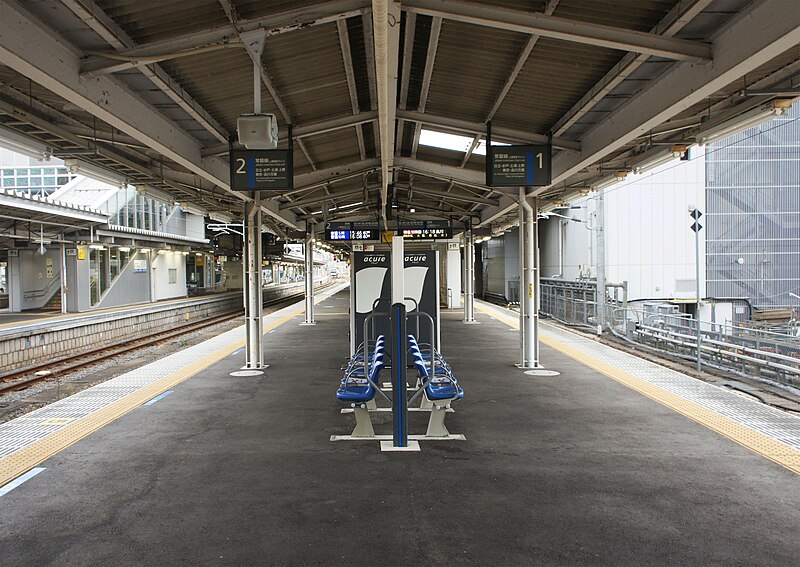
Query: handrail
[(367, 319)]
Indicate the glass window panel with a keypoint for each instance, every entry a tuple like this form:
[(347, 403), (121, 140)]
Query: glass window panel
[(49, 181), (63, 180), (35, 171), (22, 182)]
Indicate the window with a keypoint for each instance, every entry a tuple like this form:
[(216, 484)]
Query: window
[(173, 275)]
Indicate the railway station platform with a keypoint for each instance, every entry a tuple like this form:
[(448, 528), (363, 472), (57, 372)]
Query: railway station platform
[(615, 460)]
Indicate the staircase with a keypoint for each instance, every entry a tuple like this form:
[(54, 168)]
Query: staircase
[(54, 304)]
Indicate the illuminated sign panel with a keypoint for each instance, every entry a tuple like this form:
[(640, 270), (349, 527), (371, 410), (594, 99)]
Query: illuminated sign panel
[(345, 231), (426, 230)]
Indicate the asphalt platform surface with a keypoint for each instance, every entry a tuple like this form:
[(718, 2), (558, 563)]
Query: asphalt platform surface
[(574, 469)]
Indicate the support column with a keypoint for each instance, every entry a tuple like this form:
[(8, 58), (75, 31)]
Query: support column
[(469, 276), (309, 279), (529, 289), (63, 259), (14, 281), (254, 315), (398, 265), (600, 255)]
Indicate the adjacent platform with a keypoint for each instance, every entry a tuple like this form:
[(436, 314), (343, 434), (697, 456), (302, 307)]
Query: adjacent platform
[(569, 469)]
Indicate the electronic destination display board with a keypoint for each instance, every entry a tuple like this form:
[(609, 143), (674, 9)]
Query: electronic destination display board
[(519, 166), (345, 231), (261, 170), (426, 230)]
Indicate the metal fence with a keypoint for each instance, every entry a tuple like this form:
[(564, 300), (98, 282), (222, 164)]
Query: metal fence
[(738, 348), (575, 302)]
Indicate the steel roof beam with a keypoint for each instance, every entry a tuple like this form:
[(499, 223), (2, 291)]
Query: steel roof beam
[(677, 18), (347, 59), (322, 198), (563, 29), (55, 65), (314, 179), (94, 17), (454, 196), (515, 71), (759, 33), (473, 128), (282, 22), (468, 177), (430, 60), (408, 53)]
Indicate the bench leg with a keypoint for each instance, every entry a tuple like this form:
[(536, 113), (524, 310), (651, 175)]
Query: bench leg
[(436, 426), (363, 422), (372, 405), (424, 402)]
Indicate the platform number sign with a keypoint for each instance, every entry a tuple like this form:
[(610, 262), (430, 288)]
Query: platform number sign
[(261, 170), (519, 166)]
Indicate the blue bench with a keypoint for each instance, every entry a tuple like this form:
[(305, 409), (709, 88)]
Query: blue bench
[(358, 388), (440, 386)]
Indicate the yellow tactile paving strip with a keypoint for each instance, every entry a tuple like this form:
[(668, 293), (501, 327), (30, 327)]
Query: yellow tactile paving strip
[(28, 457), (756, 441)]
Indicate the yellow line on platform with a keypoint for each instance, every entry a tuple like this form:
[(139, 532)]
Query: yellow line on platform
[(23, 460), (756, 441)]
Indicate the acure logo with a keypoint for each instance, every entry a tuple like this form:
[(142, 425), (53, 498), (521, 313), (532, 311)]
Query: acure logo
[(374, 259), (415, 259)]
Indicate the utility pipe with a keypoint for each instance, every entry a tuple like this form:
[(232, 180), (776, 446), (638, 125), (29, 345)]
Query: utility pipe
[(386, 22)]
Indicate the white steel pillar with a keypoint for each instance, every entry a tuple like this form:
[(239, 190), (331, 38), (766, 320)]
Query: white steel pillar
[(309, 278), (529, 317), (600, 258), (63, 278), (254, 314), (522, 306), (469, 276)]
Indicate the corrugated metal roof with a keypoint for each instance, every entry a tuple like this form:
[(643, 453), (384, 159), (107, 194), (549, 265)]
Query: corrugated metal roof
[(307, 69)]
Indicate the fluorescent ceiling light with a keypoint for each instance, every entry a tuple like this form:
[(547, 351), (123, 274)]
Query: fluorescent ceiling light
[(188, 207), (661, 158), (744, 121), (157, 194), (346, 206), (15, 142), (81, 167), (220, 216)]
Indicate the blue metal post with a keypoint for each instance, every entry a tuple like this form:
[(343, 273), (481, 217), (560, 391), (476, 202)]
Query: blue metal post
[(399, 386)]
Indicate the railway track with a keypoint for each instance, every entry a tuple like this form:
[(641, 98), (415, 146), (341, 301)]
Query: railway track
[(54, 368)]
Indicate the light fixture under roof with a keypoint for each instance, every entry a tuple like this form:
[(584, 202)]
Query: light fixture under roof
[(744, 121)]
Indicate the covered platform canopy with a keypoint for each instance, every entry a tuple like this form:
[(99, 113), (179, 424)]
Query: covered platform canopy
[(152, 89), (25, 218)]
